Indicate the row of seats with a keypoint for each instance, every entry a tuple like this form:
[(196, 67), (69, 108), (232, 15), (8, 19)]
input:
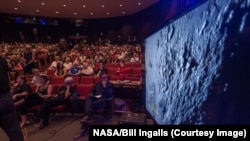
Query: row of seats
[(76, 79), (130, 71), (59, 108), (133, 71), (91, 79), (117, 65), (83, 90), (83, 85)]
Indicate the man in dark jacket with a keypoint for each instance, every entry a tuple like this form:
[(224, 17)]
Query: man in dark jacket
[(8, 117), (101, 96), (101, 93)]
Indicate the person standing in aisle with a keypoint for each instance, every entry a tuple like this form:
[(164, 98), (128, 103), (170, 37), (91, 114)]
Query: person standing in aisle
[(8, 116)]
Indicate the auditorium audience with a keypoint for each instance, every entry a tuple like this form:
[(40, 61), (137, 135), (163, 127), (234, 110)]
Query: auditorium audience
[(61, 98), (43, 91), (87, 55)]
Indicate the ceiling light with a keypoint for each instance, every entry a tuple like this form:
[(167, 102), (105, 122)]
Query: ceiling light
[(64, 5), (139, 3), (15, 8), (19, 1), (57, 12), (84, 6), (37, 10), (102, 5), (123, 12), (91, 13), (121, 5), (43, 3), (107, 13), (75, 13)]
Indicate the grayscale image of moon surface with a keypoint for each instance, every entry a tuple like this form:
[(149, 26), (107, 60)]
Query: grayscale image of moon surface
[(197, 67)]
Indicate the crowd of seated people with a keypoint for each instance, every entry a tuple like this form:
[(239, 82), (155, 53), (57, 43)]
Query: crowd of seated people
[(43, 91), (81, 54), (80, 60), (61, 97)]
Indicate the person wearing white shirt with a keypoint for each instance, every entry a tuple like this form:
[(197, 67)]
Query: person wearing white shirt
[(87, 69), (54, 63), (67, 64)]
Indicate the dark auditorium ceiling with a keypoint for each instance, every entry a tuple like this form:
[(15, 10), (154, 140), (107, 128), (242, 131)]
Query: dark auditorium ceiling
[(85, 9)]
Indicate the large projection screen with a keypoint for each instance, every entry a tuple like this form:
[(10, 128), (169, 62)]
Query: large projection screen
[(184, 58)]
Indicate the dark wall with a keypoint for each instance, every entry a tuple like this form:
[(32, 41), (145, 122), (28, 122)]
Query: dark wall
[(139, 25)]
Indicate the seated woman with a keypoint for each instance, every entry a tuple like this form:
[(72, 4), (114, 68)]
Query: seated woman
[(67, 63), (61, 98), (43, 91), (15, 67), (20, 90), (60, 71)]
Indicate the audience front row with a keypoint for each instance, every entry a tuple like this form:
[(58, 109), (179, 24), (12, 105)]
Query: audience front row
[(46, 99)]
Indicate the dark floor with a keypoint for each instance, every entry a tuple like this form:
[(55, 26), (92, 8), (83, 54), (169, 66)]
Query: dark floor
[(63, 127)]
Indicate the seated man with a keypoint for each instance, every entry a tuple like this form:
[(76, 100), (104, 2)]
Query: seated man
[(101, 92), (62, 97)]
